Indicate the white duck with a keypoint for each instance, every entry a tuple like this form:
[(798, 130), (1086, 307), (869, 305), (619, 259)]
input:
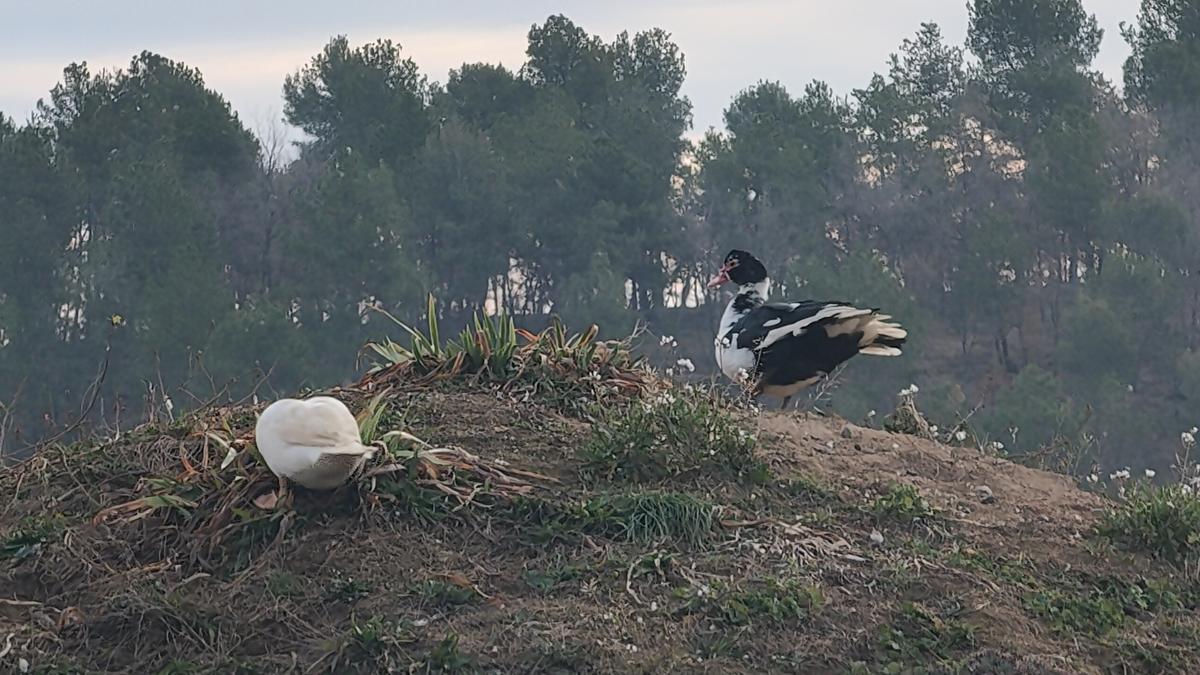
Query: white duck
[(314, 442)]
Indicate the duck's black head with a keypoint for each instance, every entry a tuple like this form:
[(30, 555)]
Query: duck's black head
[(741, 268)]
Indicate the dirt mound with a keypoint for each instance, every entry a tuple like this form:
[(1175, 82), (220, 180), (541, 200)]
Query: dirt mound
[(857, 551)]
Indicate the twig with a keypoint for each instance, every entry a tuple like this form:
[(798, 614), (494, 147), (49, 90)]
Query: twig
[(92, 394), (629, 583)]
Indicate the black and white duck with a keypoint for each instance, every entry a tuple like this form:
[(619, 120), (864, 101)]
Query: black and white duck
[(781, 348)]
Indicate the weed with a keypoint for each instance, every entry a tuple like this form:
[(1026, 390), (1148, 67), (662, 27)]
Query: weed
[(808, 490), (28, 539), (1092, 612), (371, 643), (347, 590), (901, 503), (179, 667), (720, 643), (283, 585), (645, 517), (1163, 521), (768, 600), (446, 658), (669, 436), (1148, 656), (546, 580), (1016, 572), (444, 594), (559, 657), (650, 516), (920, 636)]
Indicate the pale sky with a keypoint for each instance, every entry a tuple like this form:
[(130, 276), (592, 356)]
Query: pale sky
[(245, 48)]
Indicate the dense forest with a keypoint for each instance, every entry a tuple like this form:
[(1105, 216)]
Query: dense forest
[(1032, 224)]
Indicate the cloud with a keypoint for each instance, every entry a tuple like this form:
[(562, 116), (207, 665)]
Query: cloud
[(245, 50)]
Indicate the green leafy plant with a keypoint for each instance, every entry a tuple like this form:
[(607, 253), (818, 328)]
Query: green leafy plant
[(1163, 521), (920, 636), (445, 594), (901, 503)]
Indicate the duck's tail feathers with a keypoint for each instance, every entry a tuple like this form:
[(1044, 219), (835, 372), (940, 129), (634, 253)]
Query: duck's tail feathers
[(881, 337)]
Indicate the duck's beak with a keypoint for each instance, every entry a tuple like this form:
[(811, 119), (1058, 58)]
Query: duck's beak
[(721, 277)]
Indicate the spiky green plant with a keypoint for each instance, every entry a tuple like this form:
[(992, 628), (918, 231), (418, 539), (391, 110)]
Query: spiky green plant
[(488, 344), (563, 369)]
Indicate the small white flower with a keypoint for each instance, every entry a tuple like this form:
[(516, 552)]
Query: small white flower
[(1093, 478), (997, 446), (742, 375), (665, 340), (1120, 475), (686, 364), (870, 413), (914, 388), (933, 429), (960, 435), (1150, 473), (1188, 438)]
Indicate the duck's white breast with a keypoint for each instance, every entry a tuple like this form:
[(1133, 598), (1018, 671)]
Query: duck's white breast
[(734, 362)]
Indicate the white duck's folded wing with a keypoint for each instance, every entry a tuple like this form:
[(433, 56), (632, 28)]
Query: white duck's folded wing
[(320, 422)]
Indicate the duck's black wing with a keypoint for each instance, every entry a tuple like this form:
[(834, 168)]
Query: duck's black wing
[(770, 322)]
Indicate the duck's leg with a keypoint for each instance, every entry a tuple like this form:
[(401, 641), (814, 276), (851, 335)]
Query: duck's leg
[(284, 496)]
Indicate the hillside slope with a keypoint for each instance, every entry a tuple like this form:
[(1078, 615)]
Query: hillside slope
[(143, 554)]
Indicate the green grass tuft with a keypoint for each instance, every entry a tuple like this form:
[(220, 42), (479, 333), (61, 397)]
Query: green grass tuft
[(680, 433), (771, 600), (650, 517)]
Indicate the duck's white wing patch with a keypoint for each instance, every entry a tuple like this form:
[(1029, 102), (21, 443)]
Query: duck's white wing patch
[(772, 322)]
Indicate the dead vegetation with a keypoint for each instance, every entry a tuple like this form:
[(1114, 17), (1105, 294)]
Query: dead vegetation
[(516, 523)]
